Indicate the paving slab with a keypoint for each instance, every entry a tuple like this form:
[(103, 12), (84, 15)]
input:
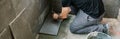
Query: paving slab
[(6, 34), (50, 26)]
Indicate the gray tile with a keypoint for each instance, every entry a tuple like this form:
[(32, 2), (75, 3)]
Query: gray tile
[(20, 27), (50, 26), (6, 13), (6, 34)]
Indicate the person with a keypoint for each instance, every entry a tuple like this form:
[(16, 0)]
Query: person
[(89, 14)]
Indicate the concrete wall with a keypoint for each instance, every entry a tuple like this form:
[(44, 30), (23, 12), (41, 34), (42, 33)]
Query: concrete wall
[(21, 19), (111, 8)]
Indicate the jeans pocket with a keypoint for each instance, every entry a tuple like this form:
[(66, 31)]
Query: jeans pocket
[(92, 20), (89, 18)]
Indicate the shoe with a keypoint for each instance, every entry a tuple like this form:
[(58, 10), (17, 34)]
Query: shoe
[(106, 30)]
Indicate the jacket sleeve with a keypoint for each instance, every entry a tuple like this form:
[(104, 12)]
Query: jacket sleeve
[(66, 3), (56, 6)]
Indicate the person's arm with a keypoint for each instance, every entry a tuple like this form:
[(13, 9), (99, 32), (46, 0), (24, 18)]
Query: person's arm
[(65, 9), (65, 12), (63, 15), (56, 6), (59, 11)]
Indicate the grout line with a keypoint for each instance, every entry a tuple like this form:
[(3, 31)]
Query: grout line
[(119, 10), (17, 16), (37, 37), (118, 17), (2, 32)]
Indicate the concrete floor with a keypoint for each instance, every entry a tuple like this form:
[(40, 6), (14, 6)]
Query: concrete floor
[(65, 33)]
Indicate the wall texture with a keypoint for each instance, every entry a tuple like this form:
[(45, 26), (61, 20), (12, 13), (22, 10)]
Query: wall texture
[(21, 19), (111, 8)]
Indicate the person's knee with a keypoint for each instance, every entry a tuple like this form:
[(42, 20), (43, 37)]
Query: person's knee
[(72, 30), (75, 31)]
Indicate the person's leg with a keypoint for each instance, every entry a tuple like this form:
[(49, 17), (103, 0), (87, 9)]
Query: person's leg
[(85, 24), (92, 28)]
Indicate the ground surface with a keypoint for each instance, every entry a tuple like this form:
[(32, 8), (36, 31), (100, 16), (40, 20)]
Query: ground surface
[(65, 33)]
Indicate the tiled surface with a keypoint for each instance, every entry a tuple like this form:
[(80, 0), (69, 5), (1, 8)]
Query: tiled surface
[(6, 34), (6, 13), (50, 26), (21, 28), (29, 18)]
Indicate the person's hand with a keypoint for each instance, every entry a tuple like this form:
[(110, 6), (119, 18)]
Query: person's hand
[(64, 14), (55, 16)]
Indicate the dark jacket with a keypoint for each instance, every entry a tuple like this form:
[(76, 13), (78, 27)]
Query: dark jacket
[(94, 8), (56, 6)]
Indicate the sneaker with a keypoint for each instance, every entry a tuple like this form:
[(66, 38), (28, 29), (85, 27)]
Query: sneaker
[(106, 30)]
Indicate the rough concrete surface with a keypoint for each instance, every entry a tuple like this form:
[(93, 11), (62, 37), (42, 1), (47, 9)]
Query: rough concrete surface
[(111, 8), (6, 34), (6, 13), (116, 26), (65, 33)]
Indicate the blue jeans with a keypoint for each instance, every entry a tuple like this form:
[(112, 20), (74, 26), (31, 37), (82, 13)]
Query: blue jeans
[(84, 24)]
